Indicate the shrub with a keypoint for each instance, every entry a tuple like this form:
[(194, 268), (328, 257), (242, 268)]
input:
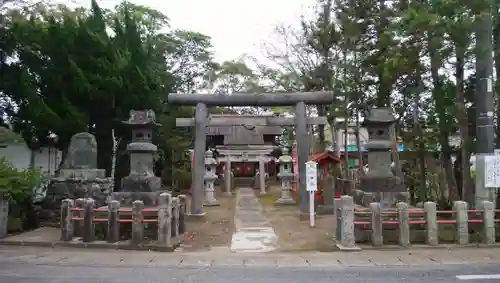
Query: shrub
[(18, 185)]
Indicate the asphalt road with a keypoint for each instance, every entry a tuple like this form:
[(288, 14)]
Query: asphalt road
[(55, 273)]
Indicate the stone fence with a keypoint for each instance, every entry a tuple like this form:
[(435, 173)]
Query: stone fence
[(377, 221), (79, 219)]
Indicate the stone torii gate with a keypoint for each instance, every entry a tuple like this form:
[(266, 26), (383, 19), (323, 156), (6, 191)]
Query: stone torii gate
[(201, 122)]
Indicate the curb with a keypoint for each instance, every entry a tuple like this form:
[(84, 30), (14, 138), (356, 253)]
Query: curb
[(429, 247), (121, 246), (104, 246)]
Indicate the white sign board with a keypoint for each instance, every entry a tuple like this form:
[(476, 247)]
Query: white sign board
[(492, 171), (311, 176)]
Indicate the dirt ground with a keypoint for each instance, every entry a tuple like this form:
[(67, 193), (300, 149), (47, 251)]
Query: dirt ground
[(215, 229), (294, 234)]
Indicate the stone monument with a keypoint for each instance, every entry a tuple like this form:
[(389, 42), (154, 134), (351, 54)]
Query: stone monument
[(79, 176), (379, 183), (286, 176), (141, 183), (210, 177)]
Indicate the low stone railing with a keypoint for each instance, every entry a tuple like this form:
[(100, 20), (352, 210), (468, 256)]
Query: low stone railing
[(375, 218), (79, 219)]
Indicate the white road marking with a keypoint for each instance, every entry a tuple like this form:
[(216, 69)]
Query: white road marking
[(478, 277)]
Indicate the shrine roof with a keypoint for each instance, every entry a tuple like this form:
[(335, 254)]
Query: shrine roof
[(320, 156)]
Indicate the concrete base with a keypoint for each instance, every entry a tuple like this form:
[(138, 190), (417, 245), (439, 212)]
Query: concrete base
[(285, 201), (263, 193), (347, 249), (304, 216), (211, 203), (325, 209), (196, 217)]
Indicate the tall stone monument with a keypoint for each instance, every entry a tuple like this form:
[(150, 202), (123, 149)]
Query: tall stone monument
[(379, 183), (79, 176)]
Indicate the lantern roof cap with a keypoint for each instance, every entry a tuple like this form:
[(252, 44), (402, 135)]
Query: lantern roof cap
[(141, 118)]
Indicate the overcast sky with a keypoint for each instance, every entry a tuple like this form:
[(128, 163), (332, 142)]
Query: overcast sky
[(236, 27)]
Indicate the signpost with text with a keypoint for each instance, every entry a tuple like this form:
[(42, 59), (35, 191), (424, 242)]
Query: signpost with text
[(312, 187)]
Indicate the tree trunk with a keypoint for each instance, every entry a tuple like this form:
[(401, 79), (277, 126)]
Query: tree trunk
[(358, 146), (463, 125), (346, 152), (433, 46), (496, 45)]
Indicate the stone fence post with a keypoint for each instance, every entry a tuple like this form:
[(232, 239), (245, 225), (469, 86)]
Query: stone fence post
[(347, 240), (430, 210), (488, 222), (176, 205), (462, 222), (377, 236), (182, 214), (164, 219), (338, 219), (66, 220), (4, 217), (137, 222), (88, 221), (404, 225), (113, 234), (80, 213)]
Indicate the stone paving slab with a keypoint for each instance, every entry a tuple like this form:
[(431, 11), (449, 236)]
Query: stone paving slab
[(253, 232)]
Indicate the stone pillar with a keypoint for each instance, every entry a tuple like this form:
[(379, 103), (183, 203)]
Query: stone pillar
[(337, 208), (164, 220), (462, 226), (113, 234), (262, 175), (66, 221), (200, 143), (227, 176), (176, 207), (346, 234), (137, 222), (377, 237), (286, 177), (430, 209), (302, 138), (380, 179), (88, 221), (488, 222), (78, 224), (182, 213), (210, 177), (4, 218), (404, 225)]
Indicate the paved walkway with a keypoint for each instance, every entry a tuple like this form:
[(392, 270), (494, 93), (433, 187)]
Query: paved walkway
[(402, 258), (254, 232)]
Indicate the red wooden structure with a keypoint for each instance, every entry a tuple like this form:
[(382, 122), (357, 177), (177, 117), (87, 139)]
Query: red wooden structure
[(325, 161)]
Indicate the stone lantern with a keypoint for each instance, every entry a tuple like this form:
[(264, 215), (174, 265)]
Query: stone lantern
[(141, 150), (286, 176), (379, 183), (210, 177)]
